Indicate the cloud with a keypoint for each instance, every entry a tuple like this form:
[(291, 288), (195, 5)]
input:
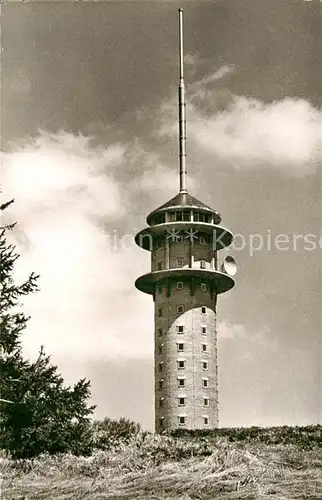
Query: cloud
[(191, 59), (227, 330), (214, 77), (61, 173), (87, 304), (247, 343), (191, 62), (247, 133), (286, 134)]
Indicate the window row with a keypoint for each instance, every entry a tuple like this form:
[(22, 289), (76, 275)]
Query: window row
[(181, 382), (181, 364), (180, 263), (182, 420), (185, 237), (181, 215), (180, 286), (203, 286), (185, 215), (182, 401), (180, 348), (181, 330), (180, 310), (176, 237)]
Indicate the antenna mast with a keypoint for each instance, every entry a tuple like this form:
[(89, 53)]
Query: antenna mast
[(182, 112)]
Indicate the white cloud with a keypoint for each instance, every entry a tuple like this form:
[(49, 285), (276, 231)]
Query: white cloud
[(87, 304), (61, 174), (155, 176), (227, 330), (247, 344), (286, 134), (213, 77), (247, 133)]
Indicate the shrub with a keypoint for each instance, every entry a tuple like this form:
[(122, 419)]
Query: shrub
[(108, 432)]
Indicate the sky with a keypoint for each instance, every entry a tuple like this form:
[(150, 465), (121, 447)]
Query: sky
[(89, 141)]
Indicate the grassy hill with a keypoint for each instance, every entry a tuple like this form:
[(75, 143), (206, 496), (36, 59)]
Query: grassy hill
[(254, 463)]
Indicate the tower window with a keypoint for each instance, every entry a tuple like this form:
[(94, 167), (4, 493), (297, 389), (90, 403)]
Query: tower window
[(206, 420), (203, 264), (160, 332), (180, 347), (200, 217), (203, 287), (159, 219), (161, 384), (181, 381), (159, 266), (181, 401), (180, 216), (204, 330), (161, 402), (182, 420), (179, 285), (203, 310), (180, 329), (179, 262), (204, 365), (205, 383), (161, 366), (160, 348), (179, 239), (180, 309), (160, 312), (206, 401), (202, 240), (181, 363), (161, 421), (204, 347)]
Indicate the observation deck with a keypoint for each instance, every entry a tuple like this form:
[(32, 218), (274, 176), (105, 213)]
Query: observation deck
[(219, 281), (185, 230)]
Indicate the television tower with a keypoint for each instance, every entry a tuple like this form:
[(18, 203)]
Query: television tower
[(184, 236)]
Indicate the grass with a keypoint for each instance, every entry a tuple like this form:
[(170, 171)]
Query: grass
[(151, 467)]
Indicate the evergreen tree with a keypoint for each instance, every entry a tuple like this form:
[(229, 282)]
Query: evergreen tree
[(38, 412)]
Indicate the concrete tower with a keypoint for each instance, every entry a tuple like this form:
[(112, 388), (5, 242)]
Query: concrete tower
[(184, 236)]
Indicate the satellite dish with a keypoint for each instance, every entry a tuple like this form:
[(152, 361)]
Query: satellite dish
[(229, 266)]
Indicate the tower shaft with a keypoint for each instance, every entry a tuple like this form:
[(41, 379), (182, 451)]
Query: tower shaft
[(186, 374)]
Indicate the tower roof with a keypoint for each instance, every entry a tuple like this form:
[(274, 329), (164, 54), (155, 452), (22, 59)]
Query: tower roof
[(184, 200)]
